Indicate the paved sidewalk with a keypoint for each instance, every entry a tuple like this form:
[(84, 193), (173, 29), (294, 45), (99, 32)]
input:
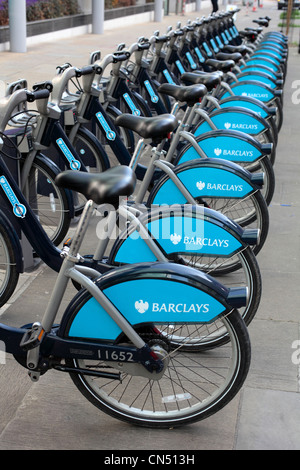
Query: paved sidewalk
[(265, 415)]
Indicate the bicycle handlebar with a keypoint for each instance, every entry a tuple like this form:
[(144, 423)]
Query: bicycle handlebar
[(60, 81), (120, 56), (43, 86), (9, 103), (159, 39), (37, 95)]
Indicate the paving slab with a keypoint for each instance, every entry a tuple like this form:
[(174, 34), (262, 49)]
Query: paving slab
[(265, 427)]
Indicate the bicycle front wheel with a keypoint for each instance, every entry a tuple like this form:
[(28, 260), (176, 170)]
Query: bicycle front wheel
[(48, 201), (9, 274), (194, 386)]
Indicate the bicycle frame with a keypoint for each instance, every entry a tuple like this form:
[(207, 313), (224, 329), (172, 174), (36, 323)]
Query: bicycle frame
[(19, 341)]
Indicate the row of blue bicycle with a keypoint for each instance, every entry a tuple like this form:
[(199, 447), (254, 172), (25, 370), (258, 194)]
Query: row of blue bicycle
[(173, 141)]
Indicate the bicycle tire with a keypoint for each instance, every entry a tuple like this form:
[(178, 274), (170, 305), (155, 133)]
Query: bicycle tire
[(279, 114), (265, 166), (185, 393), (241, 269), (259, 217), (266, 138), (49, 202), (9, 274)]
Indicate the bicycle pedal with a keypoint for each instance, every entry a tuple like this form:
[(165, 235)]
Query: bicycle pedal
[(33, 337)]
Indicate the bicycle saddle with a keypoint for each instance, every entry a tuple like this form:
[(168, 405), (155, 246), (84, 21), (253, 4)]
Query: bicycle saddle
[(103, 187), (223, 65), (149, 127), (209, 79), (186, 94), (235, 56), (262, 22), (241, 49)]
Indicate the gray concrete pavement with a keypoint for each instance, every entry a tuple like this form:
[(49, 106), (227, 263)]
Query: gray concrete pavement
[(51, 414)]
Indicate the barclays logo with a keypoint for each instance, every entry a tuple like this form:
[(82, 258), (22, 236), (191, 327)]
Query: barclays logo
[(219, 186), (200, 185), (175, 239), (141, 306), (234, 153)]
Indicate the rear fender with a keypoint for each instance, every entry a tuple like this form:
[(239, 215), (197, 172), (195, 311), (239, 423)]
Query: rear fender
[(236, 118), (229, 145), (181, 230), (213, 178), (149, 293)]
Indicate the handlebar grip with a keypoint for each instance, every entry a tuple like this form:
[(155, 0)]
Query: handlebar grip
[(87, 70), (164, 38), (143, 47), (37, 95), (120, 57)]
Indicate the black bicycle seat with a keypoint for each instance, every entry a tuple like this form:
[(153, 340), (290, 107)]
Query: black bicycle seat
[(186, 94), (241, 49), (223, 65), (262, 22), (157, 127), (104, 187), (209, 79), (235, 56)]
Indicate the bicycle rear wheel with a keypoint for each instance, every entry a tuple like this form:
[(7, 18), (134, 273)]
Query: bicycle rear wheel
[(250, 212), (241, 269), (194, 386)]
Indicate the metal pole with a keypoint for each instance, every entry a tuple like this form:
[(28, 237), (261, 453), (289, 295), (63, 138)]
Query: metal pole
[(17, 25), (198, 5), (288, 16), (158, 6), (98, 16)]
